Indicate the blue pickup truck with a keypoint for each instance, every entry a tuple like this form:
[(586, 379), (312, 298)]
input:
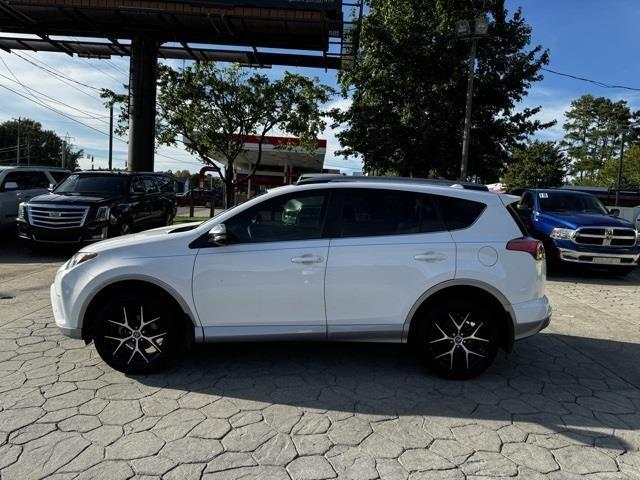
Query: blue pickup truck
[(576, 228)]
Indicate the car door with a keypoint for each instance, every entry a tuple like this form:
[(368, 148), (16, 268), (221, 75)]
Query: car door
[(153, 200), (387, 248), (29, 184), (269, 279), (140, 209)]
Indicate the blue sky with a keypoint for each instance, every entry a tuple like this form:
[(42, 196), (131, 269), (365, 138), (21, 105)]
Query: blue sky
[(589, 38)]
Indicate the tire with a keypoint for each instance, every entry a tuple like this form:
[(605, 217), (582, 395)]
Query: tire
[(458, 338), (129, 348), (168, 219), (552, 257)]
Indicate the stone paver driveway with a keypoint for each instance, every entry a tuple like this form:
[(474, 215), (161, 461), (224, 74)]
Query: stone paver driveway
[(565, 405)]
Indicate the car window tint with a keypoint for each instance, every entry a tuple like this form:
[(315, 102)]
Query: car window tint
[(286, 218), (375, 212), (459, 213), (165, 184), (527, 201), (136, 185), (27, 180), (58, 176), (149, 185)]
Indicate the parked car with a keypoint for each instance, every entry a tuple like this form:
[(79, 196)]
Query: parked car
[(445, 269), (20, 184), (91, 206), (201, 198), (577, 229)]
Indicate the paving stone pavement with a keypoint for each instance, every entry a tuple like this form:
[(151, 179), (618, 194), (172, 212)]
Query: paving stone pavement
[(564, 405)]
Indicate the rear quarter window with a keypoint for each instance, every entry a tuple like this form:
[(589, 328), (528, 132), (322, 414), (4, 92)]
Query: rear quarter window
[(459, 213)]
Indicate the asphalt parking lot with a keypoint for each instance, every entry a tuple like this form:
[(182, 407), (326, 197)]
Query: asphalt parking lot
[(565, 404)]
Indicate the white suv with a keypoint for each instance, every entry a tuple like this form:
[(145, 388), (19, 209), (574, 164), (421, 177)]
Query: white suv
[(448, 270)]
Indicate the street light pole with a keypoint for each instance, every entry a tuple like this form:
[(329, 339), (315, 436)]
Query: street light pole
[(467, 117)]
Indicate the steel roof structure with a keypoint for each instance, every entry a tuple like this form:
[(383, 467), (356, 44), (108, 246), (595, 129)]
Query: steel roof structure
[(299, 26)]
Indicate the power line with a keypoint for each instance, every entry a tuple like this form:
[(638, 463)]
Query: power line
[(58, 73), (588, 80), (88, 115), (67, 81)]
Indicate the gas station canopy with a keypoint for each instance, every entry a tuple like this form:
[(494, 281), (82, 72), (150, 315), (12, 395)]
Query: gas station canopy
[(300, 25)]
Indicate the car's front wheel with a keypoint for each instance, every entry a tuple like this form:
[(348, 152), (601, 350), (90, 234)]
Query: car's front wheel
[(137, 333), (458, 338)]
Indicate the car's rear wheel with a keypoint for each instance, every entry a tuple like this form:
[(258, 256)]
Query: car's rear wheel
[(168, 218), (459, 338), (137, 333)]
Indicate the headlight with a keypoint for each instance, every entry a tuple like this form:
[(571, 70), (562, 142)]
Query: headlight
[(103, 214), (21, 210), (79, 258), (562, 234)]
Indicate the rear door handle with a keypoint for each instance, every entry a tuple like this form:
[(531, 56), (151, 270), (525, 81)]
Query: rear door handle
[(306, 259), (431, 257)]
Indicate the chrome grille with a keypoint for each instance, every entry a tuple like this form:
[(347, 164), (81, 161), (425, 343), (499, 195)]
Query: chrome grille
[(606, 236), (57, 216)]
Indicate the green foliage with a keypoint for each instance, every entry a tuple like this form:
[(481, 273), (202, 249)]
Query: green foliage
[(592, 135), (215, 110), (409, 89), (608, 174), (38, 146), (536, 165)]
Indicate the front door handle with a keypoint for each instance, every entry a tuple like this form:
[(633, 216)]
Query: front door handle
[(306, 259), (431, 257)]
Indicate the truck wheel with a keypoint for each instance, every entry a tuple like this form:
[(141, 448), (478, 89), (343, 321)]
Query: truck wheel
[(125, 228), (552, 257), (137, 333), (458, 338)]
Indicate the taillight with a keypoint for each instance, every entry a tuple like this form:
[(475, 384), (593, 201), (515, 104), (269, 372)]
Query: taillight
[(529, 245)]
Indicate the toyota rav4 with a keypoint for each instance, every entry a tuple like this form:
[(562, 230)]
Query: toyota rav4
[(448, 270)]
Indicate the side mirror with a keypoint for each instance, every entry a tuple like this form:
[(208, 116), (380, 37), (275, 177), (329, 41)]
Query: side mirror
[(9, 186), (614, 212), (524, 208), (218, 234), (51, 187)]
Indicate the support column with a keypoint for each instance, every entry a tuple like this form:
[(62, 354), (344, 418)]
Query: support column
[(143, 75)]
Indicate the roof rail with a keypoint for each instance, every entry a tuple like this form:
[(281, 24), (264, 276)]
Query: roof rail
[(337, 178)]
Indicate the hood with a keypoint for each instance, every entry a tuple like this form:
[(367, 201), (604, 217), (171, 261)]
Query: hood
[(141, 238), (577, 220), (73, 199)]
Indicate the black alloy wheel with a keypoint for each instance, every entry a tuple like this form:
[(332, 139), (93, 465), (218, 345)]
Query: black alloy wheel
[(138, 334), (459, 339)]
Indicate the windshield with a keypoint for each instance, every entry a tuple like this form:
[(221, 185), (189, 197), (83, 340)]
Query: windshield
[(570, 202), (92, 184)]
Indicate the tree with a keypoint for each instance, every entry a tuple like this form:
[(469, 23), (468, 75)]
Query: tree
[(536, 165), (409, 85), (215, 111), (37, 146), (608, 174), (592, 134)]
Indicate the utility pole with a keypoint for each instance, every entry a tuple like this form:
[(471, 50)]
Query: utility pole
[(18, 146), (465, 32), (64, 152), (111, 137)]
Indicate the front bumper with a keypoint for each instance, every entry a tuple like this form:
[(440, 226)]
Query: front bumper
[(611, 258), (59, 315), (89, 233), (531, 317)]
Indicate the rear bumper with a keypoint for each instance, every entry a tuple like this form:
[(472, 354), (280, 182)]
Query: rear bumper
[(531, 317), (598, 258)]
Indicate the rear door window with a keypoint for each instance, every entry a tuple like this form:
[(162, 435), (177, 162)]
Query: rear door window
[(149, 185), (379, 212)]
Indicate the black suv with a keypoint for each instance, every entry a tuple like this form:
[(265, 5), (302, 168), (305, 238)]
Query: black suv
[(91, 206)]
